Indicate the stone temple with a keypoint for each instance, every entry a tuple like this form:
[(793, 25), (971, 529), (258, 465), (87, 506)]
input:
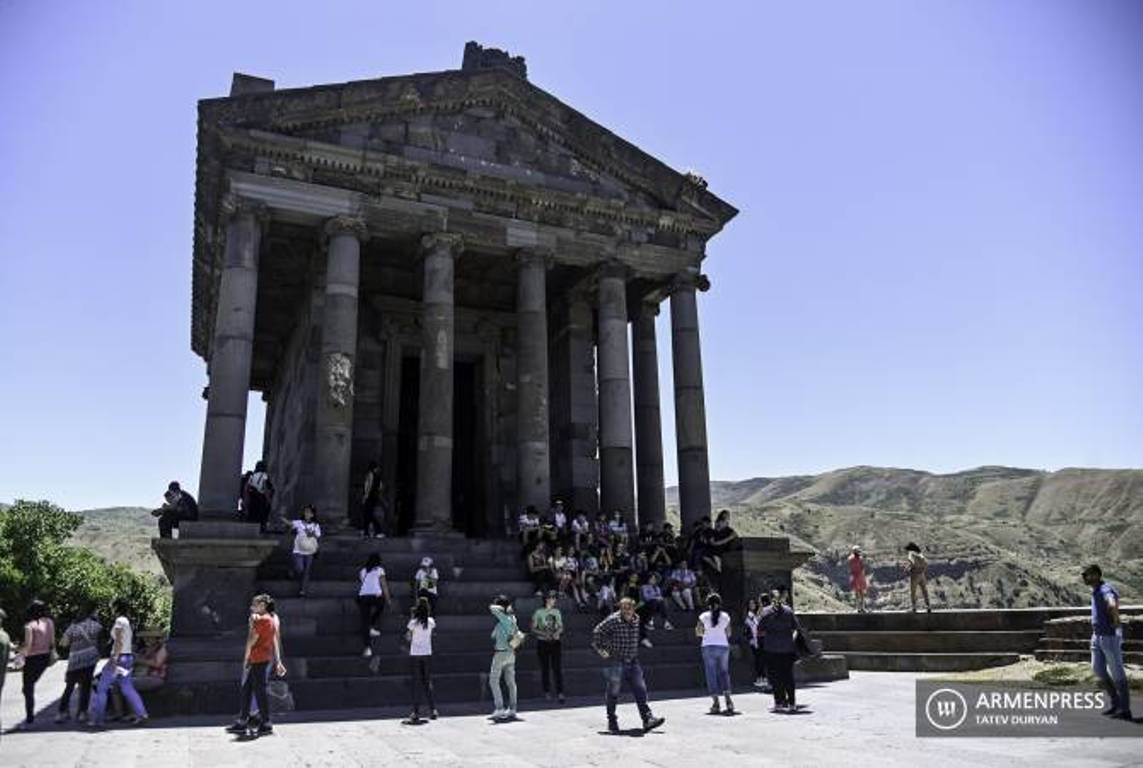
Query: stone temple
[(438, 272)]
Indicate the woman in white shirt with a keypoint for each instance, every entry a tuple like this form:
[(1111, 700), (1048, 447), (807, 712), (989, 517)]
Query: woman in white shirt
[(714, 629), (420, 636), (372, 596), (307, 531)]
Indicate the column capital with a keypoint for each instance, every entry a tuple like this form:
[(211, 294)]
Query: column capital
[(612, 267), (435, 242), (236, 205), (647, 308), (689, 281), (346, 225), (533, 254)]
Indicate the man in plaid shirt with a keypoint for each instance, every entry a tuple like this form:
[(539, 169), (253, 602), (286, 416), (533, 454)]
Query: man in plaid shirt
[(616, 638)]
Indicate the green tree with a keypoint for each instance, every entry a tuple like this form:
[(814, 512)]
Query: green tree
[(37, 563)]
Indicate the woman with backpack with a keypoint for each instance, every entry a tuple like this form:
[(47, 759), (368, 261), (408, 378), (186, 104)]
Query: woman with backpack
[(714, 629), (420, 637), (307, 531)]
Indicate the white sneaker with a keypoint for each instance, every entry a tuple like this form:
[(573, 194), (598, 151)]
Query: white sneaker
[(510, 714), (667, 625), (375, 633), (499, 714), (367, 653), (650, 624), (646, 643)]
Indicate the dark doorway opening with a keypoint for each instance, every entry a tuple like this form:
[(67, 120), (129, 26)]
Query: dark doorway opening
[(406, 491), (467, 475)]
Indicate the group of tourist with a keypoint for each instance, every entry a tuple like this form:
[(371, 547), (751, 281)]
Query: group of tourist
[(118, 683), (597, 562)]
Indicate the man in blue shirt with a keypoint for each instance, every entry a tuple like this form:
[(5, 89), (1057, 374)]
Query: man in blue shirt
[(1107, 642)]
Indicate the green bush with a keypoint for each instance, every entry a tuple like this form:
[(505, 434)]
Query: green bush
[(35, 562)]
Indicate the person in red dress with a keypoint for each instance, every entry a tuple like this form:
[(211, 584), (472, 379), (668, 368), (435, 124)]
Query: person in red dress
[(857, 581)]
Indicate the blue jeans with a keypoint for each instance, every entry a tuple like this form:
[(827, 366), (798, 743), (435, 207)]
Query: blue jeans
[(503, 666), (716, 663), (302, 565), (1107, 664), (630, 672), (107, 678)]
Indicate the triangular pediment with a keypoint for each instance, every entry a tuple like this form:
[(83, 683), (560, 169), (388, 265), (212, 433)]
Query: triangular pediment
[(490, 124)]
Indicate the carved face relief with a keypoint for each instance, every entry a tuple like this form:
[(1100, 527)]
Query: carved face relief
[(339, 375)]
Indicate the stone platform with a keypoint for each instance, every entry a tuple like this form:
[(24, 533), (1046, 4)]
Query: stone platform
[(323, 647), (866, 720), (960, 640)]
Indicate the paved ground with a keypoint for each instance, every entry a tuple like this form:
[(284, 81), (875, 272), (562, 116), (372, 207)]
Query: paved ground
[(867, 720)]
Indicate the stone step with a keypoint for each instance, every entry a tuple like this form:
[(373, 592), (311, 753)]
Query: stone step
[(326, 570), (940, 620), (1081, 644), (1081, 628), (351, 544), (925, 662), (482, 590), (221, 697), (393, 660), (1084, 655), (446, 640), (931, 641)]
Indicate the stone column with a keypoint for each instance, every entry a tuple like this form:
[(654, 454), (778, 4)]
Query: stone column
[(648, 425), (690, 408), (574, 406), (533, 464), (231, 354), (434, 426), (334, 415), (617, 481)]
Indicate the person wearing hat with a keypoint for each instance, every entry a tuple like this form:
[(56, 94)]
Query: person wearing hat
[(916, 566), (1107, 643), (426, 583), (857, 581), (548, 627)]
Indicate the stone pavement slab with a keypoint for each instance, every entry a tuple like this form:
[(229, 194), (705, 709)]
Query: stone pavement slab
[(866, 720)]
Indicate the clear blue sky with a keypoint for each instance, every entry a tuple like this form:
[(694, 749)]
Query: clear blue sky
[(938, 264)]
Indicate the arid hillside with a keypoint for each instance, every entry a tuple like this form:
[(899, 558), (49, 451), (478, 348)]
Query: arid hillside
[(994, 536)]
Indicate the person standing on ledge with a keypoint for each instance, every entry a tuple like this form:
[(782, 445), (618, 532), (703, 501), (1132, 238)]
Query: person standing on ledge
[(917, 566), (1107, 643), (616, 639), (857, 581)]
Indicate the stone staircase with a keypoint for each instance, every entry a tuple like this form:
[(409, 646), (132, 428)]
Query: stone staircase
[(1069, 638), (942, 641), (323, 648)]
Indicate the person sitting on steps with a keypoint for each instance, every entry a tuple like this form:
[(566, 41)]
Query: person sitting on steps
[(178, 505)]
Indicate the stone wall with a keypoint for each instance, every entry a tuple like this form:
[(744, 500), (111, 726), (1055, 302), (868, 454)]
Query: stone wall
[(291, 408)]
